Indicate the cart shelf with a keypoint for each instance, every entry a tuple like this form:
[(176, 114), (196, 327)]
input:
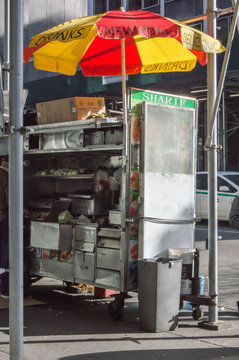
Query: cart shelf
[(90, 148), (96, 123), (68, 177)]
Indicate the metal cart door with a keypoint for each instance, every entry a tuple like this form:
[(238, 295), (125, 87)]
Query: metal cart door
[(167, 179)]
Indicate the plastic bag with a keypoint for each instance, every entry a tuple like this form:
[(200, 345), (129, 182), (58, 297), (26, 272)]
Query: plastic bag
[(64, 217)]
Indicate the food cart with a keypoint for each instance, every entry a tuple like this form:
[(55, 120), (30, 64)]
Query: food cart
[(99, 194)]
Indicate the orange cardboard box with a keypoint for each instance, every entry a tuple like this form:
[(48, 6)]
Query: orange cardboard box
[(68, 109)]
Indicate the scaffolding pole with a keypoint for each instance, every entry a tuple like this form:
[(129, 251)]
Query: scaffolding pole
[(212, 168), (16, 181)]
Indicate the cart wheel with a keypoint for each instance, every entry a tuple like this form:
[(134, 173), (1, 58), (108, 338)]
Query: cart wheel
[(197, 313), (116, 309)]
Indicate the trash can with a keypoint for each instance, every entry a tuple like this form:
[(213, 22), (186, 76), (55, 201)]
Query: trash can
[(159, 293)]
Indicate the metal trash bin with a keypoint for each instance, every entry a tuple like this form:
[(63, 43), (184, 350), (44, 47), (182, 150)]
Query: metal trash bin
[(159, 293)]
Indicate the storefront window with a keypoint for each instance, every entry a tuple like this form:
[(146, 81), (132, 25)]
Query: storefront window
[(198, 26), (114, 4), (224, 4), (183, 9), (135, 4), (148, 3), (223, 30), (142, 4), (100, 6), (104, 5)]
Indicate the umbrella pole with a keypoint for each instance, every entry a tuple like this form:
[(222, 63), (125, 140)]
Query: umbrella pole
[(124, 95), (125, 162)]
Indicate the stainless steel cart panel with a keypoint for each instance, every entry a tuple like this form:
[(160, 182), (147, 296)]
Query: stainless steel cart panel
[(109, 243), (84, 246), (35, 260), (95, 138), (163, 235), (108, 278), (115, 217), (114, 136), (97, 204), (84, 266), (167, 181), (64, 140), (51, 235), (85, 233), (58, 270), (110, 232), (108, 258)]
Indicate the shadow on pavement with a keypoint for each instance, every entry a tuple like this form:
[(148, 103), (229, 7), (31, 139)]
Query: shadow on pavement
[(186, 354), (78, 315), (74, 314)]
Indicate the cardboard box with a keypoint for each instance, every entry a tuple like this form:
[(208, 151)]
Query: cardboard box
[(68, 109)]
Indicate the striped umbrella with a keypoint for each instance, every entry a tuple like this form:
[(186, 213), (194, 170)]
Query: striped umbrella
[(118, 43), (152, 44)]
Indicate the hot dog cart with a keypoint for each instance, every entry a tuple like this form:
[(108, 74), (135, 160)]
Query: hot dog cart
[(127, 191)]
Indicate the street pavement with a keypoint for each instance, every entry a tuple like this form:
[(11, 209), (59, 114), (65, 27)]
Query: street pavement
[(77, 326), (224, 231)]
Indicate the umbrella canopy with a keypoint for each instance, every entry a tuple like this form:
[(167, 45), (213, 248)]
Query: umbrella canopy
[(153, 44)]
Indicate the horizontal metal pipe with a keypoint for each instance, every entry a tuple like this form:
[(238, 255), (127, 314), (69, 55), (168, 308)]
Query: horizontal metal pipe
[(204, 16)]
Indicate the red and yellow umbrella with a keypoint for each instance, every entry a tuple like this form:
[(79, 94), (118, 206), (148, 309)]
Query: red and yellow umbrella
[(153, 44)]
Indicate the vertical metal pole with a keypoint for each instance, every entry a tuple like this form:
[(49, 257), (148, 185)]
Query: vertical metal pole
[(124, 95), (126, 164), (125, 125), (205, 159), (124, 4), (234, 2), (223, 74), (224, 144), (16, 181), (162, 7), (6, 43), (212, 169)]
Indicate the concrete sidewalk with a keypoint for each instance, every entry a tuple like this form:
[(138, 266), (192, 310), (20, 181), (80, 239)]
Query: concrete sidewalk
[(77, 326)]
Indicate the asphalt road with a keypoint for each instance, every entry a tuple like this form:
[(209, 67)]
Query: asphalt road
[(224, 231)]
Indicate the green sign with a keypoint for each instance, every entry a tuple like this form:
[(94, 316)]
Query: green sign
[(164, 99)]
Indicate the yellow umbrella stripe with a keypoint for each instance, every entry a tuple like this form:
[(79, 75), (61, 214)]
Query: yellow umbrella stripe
[(194, 39), (62, 57), (164, 55), (70, 31)]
